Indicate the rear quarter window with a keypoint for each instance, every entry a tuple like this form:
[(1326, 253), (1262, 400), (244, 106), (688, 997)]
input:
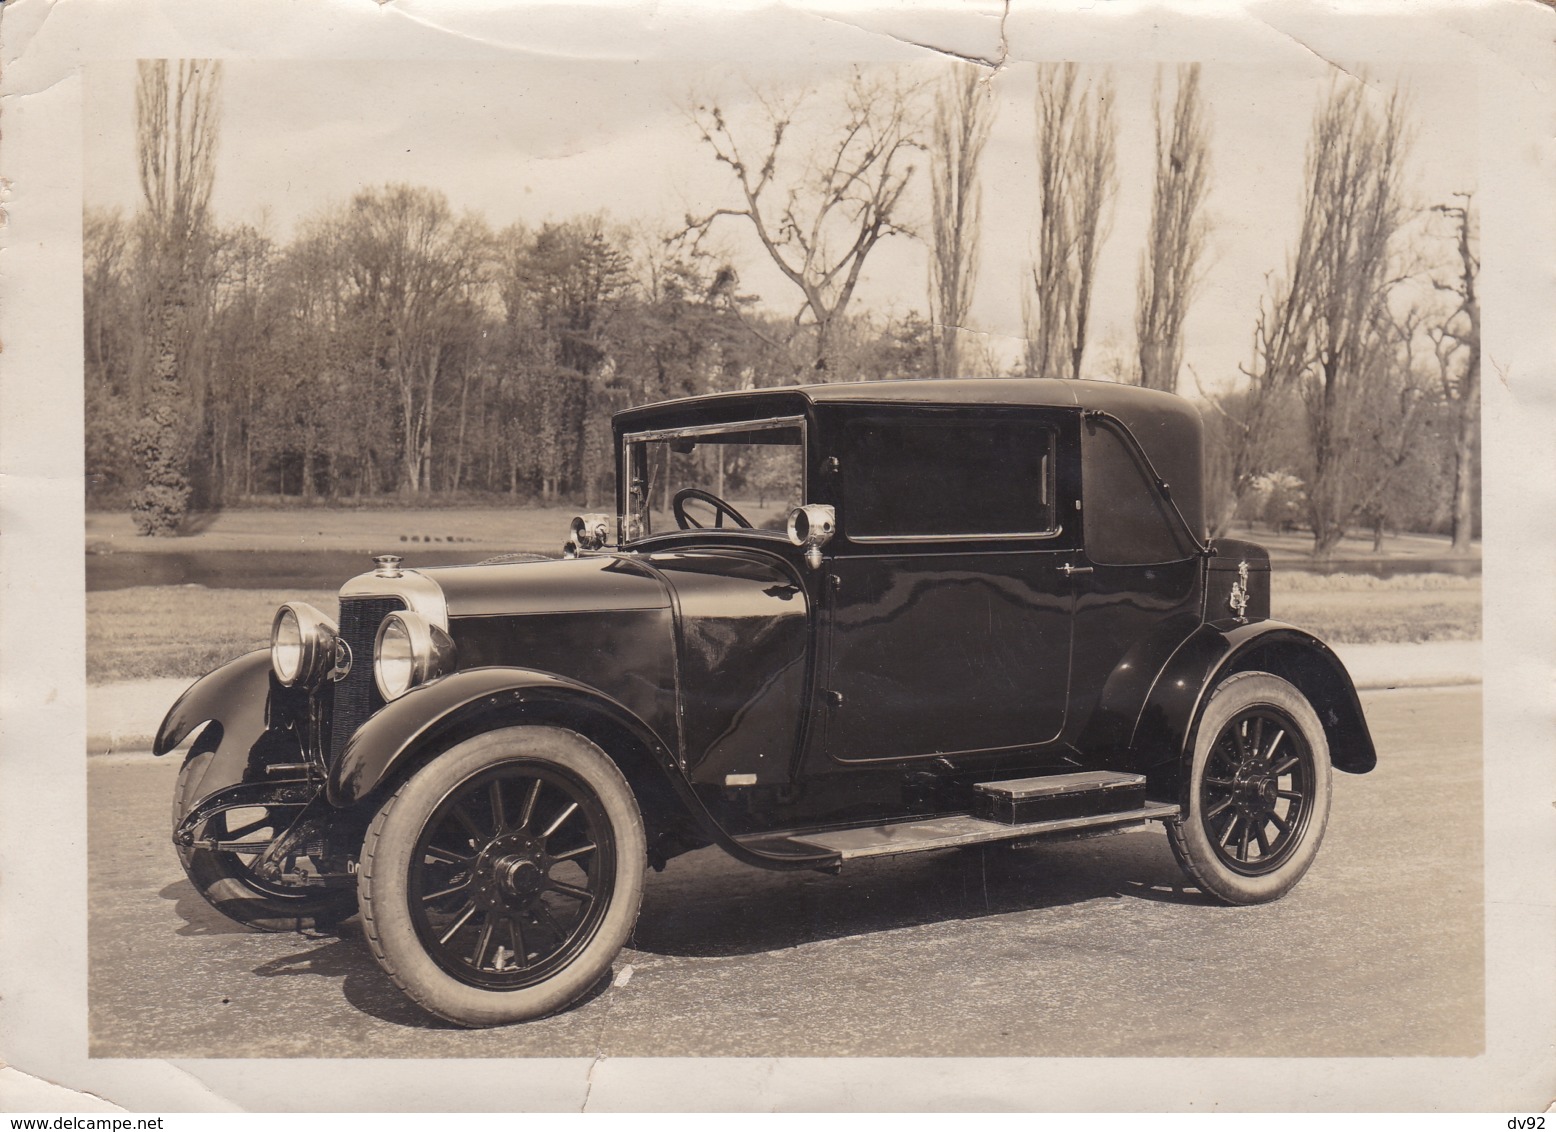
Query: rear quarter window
[(1127, 522)]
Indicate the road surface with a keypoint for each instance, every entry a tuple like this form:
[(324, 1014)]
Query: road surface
[(1090, 948)]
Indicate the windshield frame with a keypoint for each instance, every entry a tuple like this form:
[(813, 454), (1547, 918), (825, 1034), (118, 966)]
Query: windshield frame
[(629, 477)]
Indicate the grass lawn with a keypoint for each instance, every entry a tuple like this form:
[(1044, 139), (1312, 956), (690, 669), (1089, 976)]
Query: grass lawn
[(1369, 617), (153, 631), (479, 530), (483, 529), (1292, 545)]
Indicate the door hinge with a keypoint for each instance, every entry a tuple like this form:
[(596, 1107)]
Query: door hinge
[(835, 699)]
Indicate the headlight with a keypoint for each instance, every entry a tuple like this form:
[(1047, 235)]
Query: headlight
[(302, 644), (410, 650)]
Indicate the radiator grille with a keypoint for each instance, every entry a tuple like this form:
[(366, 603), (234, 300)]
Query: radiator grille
[(356, 697)]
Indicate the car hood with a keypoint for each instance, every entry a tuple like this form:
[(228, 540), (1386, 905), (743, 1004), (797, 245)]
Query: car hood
[(574, 585)]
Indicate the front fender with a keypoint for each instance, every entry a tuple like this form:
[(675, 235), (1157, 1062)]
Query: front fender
[(247, 712), (392, 738), (1164, 731), (236, 695)]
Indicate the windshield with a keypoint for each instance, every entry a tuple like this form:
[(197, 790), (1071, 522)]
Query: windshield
[(729, 476)]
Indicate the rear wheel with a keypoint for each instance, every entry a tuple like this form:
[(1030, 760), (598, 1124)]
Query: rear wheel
[(227, 881), (1258, 793), (500, 882)]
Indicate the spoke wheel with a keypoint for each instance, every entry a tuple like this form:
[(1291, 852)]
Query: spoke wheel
[(501, 881), (226, 880), (514, 871), (1258, 792)]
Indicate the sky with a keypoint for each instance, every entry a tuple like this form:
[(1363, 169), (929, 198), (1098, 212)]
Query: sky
[(534, 141)]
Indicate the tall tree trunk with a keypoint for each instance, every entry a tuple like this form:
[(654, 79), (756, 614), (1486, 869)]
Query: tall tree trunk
[(308, 445), (161, 440), (1169, 265), (459, 436), (1455, 335), (960, 128), (176, 112), (1464, 467)]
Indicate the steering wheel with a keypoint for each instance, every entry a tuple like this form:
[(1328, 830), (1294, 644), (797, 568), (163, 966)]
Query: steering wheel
[(720, 509)]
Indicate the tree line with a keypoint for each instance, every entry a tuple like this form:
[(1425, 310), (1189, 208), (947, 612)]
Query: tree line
[(393, 349)]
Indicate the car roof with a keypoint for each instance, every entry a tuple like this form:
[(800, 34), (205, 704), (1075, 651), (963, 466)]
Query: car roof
[(1042, 392), (1168, 427)]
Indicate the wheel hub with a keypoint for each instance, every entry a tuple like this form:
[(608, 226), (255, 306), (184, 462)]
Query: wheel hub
[(1258, 791), (1255, 791), (511, 871), (518, 877)]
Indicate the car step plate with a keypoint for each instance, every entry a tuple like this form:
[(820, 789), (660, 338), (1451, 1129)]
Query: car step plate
[(1080, 794), (962, 829)]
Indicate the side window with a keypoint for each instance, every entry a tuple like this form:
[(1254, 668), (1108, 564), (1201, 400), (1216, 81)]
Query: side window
[(1127, 521), (947, 478)]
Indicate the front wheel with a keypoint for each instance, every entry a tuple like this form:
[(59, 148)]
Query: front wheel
[(500, 882), (1258, 798)]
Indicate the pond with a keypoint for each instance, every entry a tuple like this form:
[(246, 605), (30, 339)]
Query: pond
[(247, 569), (327, 569)]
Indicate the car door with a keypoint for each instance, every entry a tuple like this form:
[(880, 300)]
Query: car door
[(948, 600)]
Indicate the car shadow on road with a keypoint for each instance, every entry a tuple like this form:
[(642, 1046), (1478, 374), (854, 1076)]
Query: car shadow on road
[(199, 918), (717, 907), (338, 952), (369, 990), (342, 954), (708, 905)]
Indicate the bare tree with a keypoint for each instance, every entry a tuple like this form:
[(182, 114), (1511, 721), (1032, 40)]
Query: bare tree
[(1456, 344), (1169, 267), (1354, 180), (413, 273), (106, 263), (964, 114), (177, 111), (818, 217), (1328, 335), (1076, 151)]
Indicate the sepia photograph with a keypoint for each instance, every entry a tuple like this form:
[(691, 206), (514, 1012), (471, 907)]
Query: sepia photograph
[(959, 550)]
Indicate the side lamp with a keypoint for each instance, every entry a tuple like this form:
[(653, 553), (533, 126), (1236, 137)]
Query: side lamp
[(812, 526)]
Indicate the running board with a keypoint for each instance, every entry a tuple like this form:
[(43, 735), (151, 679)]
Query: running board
[(958, 829)]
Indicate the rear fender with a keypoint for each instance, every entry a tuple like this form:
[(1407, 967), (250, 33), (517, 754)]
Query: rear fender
[(248, 714), (413, 729), (1111, 727), (1164, 732)]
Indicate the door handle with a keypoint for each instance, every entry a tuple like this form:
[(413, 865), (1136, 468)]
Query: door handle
[(1070, 571)]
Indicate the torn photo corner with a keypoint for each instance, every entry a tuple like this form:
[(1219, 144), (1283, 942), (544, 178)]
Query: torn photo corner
[(918, 438)]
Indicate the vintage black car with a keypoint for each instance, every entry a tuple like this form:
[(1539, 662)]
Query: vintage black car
[(826, 623)]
